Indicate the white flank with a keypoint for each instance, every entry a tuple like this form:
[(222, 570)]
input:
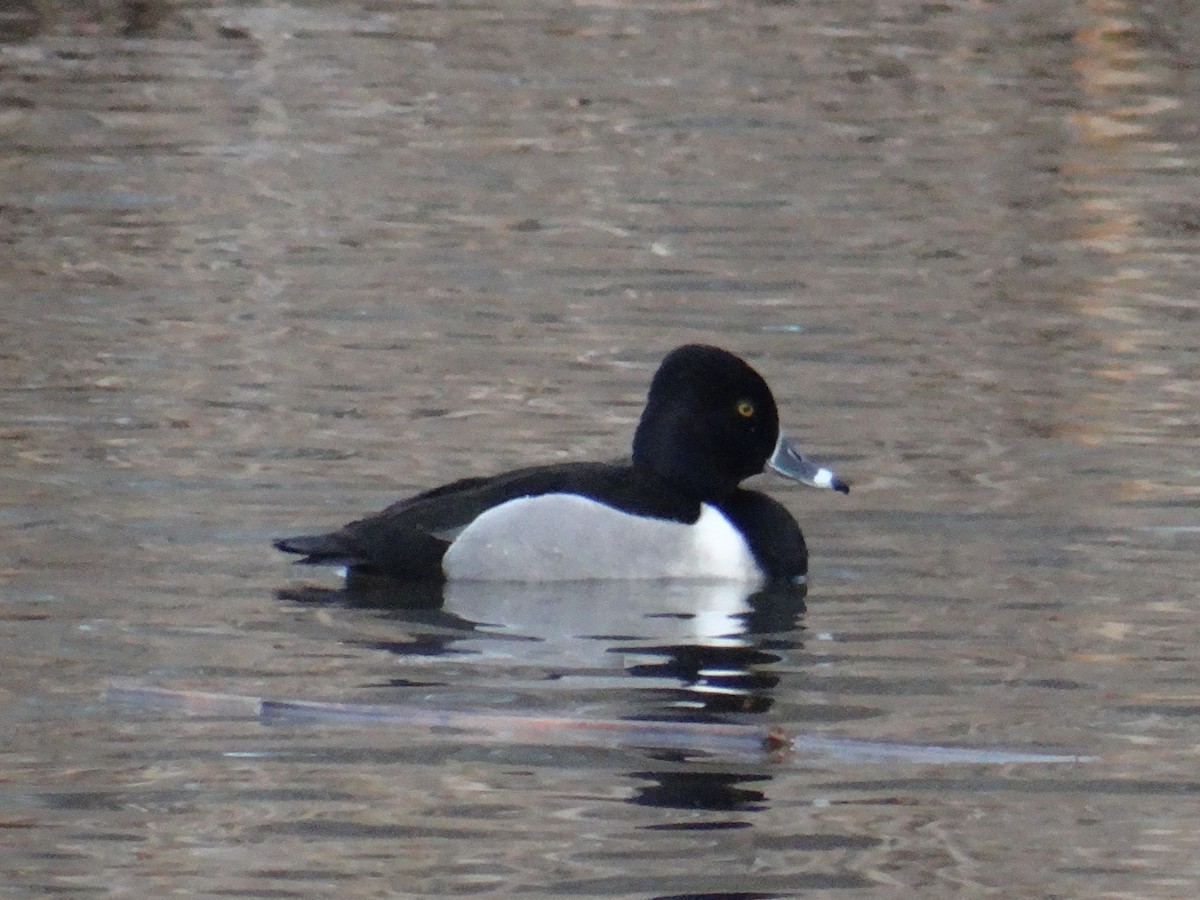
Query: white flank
[(566, 537)]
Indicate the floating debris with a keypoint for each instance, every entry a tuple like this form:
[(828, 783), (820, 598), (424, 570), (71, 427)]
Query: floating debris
[(699, 737)]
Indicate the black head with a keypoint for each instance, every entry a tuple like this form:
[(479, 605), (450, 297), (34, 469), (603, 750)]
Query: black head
[(710, 421)]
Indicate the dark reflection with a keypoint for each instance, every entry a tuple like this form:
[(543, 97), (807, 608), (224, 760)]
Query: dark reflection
[(431, 629), (371, 593), (700, 790), (723, 680), (696, 652)]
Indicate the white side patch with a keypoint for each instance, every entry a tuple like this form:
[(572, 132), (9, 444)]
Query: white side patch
[(565, 537)]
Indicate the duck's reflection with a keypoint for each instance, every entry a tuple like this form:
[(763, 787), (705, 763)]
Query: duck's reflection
[(685, 633), (700, 790), (630, 649)]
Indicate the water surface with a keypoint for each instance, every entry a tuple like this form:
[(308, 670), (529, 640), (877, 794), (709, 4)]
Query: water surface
[(271, 266)]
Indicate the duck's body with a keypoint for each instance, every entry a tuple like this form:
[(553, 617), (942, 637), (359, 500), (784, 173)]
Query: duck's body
[(674, 511)]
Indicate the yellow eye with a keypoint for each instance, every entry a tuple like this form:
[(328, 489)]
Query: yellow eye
[(745, 409)]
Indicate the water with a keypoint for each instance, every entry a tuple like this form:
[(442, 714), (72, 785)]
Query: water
[(271, 266)]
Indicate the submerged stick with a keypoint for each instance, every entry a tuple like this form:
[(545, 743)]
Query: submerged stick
[(704, 737), (712, 737)]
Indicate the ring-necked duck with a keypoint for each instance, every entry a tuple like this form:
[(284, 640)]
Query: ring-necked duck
[(674, 511)]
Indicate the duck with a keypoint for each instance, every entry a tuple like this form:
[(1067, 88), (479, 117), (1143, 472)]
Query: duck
[(675, 509)]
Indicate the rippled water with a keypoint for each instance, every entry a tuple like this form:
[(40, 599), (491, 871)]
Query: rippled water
[(269, 266)]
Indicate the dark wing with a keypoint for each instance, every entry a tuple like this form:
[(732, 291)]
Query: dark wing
[(408, 539)]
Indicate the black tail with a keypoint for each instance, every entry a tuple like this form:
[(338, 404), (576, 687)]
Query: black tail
[(316, 549)]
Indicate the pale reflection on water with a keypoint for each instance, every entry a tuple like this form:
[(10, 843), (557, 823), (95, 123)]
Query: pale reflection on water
[(271, 266)]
